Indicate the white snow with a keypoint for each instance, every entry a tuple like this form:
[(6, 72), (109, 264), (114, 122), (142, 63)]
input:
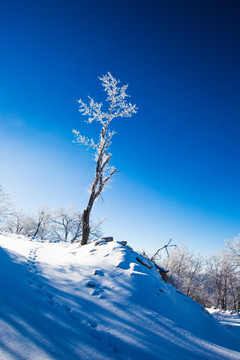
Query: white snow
[(229, 319), (60, 301)]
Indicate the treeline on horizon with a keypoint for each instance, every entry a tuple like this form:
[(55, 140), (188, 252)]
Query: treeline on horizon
[(62, 224), (213, 281)]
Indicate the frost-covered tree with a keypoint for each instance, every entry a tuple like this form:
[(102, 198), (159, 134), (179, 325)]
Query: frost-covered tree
[(36, 225), (40, 225), (19, 223), (5, 207), (234, 247), (66, 224), (185, 271), (117, 107), (222, 281)]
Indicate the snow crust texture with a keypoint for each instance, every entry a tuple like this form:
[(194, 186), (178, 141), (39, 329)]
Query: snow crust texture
[(65, 302)]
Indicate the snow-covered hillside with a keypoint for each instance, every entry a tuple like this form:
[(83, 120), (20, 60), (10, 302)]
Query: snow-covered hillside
[(62, 302), (229, 319)]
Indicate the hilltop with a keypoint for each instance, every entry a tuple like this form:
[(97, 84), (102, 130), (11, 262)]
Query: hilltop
[(99, 301)]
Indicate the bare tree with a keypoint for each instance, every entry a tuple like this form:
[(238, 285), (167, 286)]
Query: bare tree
[(156, 255), (118, 107)]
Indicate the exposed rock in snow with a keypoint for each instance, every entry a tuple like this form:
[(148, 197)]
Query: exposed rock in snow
[(67, 302), (144, 262)]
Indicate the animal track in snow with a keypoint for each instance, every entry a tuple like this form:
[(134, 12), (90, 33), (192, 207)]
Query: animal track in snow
[(33, 280)]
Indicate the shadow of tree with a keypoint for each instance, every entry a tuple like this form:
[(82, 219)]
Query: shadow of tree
[(66, 322)]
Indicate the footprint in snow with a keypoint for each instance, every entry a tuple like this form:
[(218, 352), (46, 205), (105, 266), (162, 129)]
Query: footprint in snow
[(113, 347), (93, 324), (73, 316), (118, 353), (98, 292), (49, 295), (51, 302), (67, 308), (94, 288), (32, 277), (96, 335)]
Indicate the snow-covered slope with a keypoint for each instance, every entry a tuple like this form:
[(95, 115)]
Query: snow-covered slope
[(98, 302), (229, 319)]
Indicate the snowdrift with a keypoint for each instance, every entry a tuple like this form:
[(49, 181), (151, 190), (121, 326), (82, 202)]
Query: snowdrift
[(60, 301)]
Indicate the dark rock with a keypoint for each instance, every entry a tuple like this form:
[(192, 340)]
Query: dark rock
[(144, 263)]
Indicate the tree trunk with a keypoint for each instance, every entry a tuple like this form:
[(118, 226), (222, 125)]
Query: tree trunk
[(37, 229), (85, 226)]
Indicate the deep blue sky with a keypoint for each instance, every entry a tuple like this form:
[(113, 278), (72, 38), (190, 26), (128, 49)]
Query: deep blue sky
[(179, 155)]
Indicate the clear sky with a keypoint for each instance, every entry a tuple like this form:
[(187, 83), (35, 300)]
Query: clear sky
[(179, 156)]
